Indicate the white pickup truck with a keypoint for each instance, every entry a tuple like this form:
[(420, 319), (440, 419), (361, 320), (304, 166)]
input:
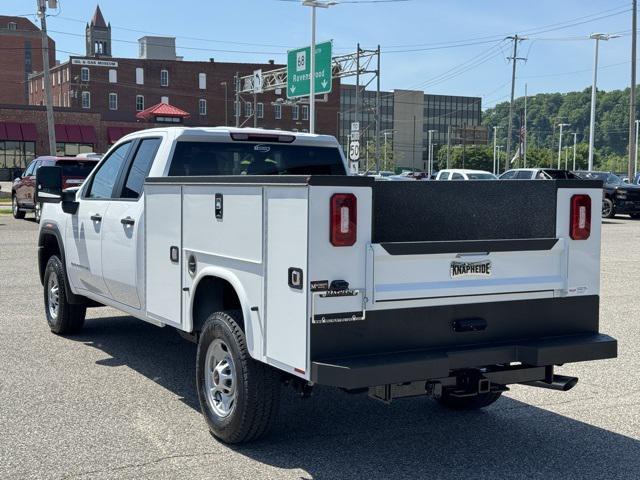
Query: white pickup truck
[(258, 246)]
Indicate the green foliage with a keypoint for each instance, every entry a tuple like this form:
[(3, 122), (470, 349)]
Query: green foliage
[(546, 110)]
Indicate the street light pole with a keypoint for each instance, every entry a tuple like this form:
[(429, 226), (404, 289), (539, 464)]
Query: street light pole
[(575, 136), (636, 152), (430, 165), (226, 118), (495, 136), (561, 125), (312, 70), (592, 123)]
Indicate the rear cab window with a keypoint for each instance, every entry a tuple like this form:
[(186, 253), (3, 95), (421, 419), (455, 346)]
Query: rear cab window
[(76, 168), (192, 158)]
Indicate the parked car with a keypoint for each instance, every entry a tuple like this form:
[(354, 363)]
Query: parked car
[(537, 174), (465, 174), (459, 306), (618, 197), (23, 190)]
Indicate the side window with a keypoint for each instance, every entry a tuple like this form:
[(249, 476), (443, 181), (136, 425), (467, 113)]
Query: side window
[(457, 176), (508, 175), (134, 183), (523, 175), (445, 176), (30, 169), (105, 178)]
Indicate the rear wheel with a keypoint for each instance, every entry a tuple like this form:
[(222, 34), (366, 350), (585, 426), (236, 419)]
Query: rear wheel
[(608, 209), (15, 209), (62, 317), (239, 397), (474, 402)]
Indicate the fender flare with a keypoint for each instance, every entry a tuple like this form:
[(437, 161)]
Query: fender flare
[(250, 323), (51, 229)]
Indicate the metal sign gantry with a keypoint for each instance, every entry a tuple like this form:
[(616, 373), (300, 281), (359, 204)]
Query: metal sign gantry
[(361, 62)]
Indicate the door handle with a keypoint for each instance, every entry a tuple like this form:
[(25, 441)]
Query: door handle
[(96, 218), (127, 221)]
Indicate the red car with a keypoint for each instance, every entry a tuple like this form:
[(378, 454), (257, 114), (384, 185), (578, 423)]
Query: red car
[(74, 171)]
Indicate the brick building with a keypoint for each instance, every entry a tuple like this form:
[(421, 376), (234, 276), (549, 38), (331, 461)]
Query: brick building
[(119, 88), (20, 55), (96, 98)]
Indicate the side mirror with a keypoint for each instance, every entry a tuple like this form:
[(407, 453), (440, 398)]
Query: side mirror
[(49, 185)]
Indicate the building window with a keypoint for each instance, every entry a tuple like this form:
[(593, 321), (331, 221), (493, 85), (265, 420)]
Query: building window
[(65, 99), (202, 106), (202, 81), (59, 77), (65, 149), (295, 112), (139, 103), (42, 79), (84, 74), (113, 101), (53, 79), (260, 110), (113, 76), (277, 108), (305, 112), (86, 99), (12, 26), (16, 154), (248, 109), (30, 87), (164, 78), (140, 76), (164, 99)]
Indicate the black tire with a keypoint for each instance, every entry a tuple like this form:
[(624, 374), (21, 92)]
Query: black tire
[(608, 208), (66, 318), (256, 389), (15, 209), (37, 212), (468, 403)]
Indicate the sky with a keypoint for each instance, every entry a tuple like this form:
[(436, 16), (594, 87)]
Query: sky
[(452, 47)]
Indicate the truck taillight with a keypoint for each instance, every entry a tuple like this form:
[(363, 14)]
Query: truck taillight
[(344, 220), (580, 227)]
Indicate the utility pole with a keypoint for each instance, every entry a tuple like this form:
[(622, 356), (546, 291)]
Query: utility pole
[(495, 138), (566, 158), (430, 164), (524, 137), (357, 99), (575, 136), (413, 155), (514, 59), (236, 106), (632, 94), (561, 125), (385, 150), (42, 14), (226, 104), (636, 160), (378, 113), (499, 148), (449, 145)]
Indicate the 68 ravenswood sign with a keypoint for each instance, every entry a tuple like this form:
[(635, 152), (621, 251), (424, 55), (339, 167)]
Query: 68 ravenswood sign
[(299, 70)]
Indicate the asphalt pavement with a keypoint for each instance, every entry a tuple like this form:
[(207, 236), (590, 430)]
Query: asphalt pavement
[(119, 401)]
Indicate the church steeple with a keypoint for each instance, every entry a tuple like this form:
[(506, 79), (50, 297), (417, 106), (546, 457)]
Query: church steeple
[(98, 34)]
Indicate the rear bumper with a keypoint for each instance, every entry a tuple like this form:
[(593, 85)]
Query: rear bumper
[(390, 368)]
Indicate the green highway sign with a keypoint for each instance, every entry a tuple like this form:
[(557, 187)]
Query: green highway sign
[(299, 67)]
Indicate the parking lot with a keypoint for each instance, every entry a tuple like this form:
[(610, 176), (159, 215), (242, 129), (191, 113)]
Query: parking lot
[(119, 401)]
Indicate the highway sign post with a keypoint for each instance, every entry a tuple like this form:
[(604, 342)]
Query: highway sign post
[(354, 147), (299, 70)]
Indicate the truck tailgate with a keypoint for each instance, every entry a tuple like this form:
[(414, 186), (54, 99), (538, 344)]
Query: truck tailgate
[(422, 270)]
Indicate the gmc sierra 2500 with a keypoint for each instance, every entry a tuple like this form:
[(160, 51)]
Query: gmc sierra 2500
[(258, 246)]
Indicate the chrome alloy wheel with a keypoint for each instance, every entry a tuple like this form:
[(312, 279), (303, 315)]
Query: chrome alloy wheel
[(53, 293), (14, 206), (220, 378)]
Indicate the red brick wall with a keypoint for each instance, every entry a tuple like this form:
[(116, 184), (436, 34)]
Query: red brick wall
[(12, 58), (183, 92)]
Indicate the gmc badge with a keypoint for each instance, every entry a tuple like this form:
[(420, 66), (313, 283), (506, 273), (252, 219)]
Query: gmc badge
[(295, 278)]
